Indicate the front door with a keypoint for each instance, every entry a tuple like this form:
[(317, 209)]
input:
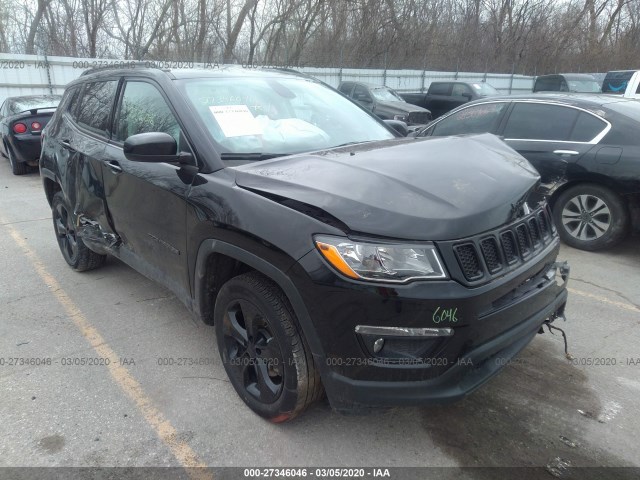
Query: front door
[(147, 200)]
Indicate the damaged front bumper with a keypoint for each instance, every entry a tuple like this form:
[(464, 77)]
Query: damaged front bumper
[(395, 346)]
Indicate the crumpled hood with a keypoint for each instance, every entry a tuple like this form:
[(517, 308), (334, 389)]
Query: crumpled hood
[(414, 189)]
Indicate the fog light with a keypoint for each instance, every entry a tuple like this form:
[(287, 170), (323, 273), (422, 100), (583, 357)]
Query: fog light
[(378, 344)]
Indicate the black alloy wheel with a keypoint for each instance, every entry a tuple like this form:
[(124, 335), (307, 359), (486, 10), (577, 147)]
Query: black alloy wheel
[(262, 348)]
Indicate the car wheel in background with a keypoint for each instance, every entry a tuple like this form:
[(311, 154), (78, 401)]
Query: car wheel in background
[(75, 252), (262, 348), (18, 168), (590, 217)]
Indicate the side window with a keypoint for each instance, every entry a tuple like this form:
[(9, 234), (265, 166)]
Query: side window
[(69, 101), (439, 89), (477, 119), (460, 90), (346, 88), (535, 121), (360, 93), (95, 106), (587, 128), (143, 109)]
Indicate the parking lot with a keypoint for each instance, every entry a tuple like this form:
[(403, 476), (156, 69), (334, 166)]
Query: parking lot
[(106, 368)]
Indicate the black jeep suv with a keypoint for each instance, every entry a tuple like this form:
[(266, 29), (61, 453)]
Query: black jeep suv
[(330, 254)]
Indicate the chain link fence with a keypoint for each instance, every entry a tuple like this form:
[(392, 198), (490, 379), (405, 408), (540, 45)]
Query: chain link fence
[(41, 74)]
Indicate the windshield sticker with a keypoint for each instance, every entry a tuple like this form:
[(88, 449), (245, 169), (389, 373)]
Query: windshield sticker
[(236, 120)]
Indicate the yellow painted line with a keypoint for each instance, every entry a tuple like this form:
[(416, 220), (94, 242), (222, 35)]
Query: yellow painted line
[(600, 298), (129, 385)]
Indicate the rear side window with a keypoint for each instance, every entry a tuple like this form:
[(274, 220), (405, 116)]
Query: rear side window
[(94, 110), (587, 128), (143, 109), (548, 84), (534, 121), (439, 89), (346, 88), (616, 82), (361, 93), (69, 102), (481, 118), (460, 90)]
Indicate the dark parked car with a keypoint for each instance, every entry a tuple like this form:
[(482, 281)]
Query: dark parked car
[(586, 148), (567, 82), (385, 103), (328, 252), (442, 97), (21, 122)]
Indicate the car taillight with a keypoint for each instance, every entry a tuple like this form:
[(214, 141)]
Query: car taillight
[(19, 128), (36, 126)]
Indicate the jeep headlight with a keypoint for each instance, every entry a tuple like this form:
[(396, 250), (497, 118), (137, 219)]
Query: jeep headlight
[(381, 262), (403, 118)]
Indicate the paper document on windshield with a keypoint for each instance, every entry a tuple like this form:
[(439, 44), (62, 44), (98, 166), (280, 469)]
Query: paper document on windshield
[(236, 120)]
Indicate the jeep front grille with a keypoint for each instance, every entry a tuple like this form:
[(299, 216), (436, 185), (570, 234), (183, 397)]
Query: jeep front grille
[(482, 257)]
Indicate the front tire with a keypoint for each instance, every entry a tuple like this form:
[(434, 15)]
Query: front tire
[(591, 217), (75, 252), (262, 348), (17, 168)]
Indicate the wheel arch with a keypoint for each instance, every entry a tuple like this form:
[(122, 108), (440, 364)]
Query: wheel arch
[(51, 186), (598, 180), (218, 261)]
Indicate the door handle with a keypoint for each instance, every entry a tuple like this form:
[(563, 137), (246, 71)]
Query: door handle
[(566, 153), (67, 145), (114, 166)]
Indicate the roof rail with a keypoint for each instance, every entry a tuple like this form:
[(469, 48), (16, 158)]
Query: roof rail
[(103, 65)]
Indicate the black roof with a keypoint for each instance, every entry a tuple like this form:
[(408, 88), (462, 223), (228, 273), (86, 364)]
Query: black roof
[(214, 71), (585, 100)]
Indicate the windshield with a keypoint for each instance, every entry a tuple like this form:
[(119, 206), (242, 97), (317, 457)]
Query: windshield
[(583, 86), (484, 89), (278, 116), (385, 94), (22, 104)]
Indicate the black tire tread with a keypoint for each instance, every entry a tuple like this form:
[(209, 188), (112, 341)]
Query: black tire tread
[(17, 168), (310, 387), (619, 227)]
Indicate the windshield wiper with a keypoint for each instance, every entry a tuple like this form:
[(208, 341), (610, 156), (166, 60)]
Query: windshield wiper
[(249, 155)]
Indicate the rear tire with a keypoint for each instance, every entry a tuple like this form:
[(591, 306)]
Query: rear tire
[(75, 252), (263, 350), (591, 217), (18, 168)]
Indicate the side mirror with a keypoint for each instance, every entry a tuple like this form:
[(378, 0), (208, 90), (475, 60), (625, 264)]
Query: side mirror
[(155, 147), (467, 96), (362, 97), (399, 126)]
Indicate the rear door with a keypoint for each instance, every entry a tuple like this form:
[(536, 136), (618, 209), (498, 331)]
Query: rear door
[(147, 201), (81, 137), (552, 137), (439, 97)]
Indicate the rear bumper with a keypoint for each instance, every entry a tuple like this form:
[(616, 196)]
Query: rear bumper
[(25, 147), (470, 371)]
